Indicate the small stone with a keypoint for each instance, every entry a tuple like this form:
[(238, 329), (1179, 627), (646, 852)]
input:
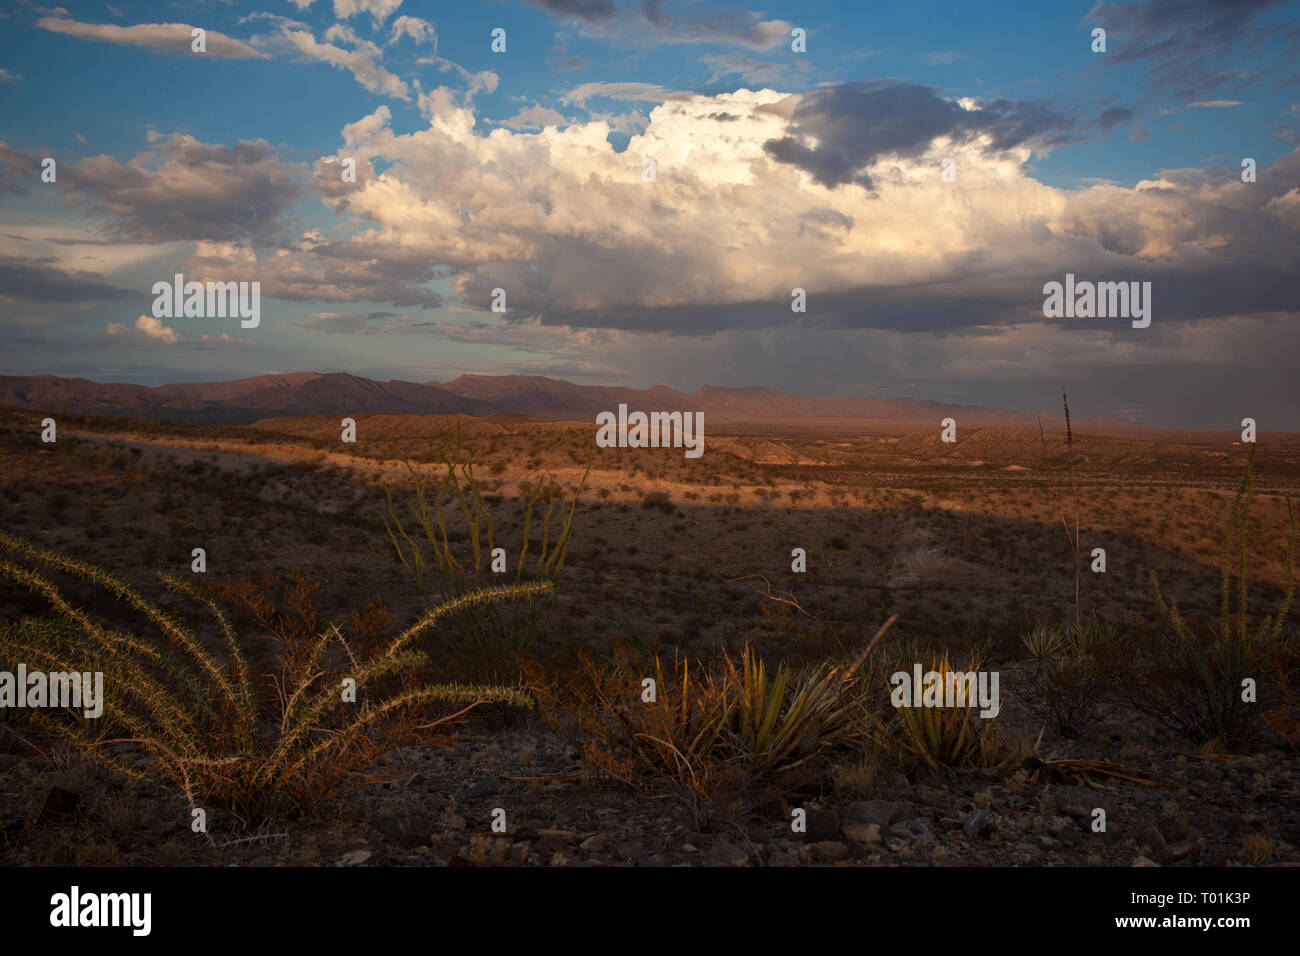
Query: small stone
[(1179, 851), (771, 809), (1151, 837), (977, 825), (862, 832), (1143, 861), (830, 850), (880, 812), (823, 825), (487, 787), (725, 853), (356, 857)]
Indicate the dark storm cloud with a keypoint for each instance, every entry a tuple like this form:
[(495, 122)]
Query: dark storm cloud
[(714, 25), (184, 189), (1113, 117), (316, 270), (38, 280), (854, 123), (592, 11), (1186, 43)]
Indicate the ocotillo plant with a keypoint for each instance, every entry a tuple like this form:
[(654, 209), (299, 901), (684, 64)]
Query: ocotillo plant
[(487, 644), (192, 713)]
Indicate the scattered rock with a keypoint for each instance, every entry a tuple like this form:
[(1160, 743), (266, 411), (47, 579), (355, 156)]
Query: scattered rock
[(862, 832), (487, 787), (725, 853), (772, 809), (879, 812), (978, 825), (593, 844), (823, 825), (1151, 837), (830, 851), (356, 857)]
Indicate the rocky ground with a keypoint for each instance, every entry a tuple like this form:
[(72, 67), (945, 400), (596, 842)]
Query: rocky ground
[(437, 810)]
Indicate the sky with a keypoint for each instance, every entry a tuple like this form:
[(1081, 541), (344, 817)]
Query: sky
[(647, 183)]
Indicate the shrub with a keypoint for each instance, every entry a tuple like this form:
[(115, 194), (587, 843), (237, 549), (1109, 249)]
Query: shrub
[(488, 643), (658, 499), (1069, 690), (1189, 677)]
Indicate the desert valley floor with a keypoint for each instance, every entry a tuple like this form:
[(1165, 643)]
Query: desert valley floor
[(677, 559)]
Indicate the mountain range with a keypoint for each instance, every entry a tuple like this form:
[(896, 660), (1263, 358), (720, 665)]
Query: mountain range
[(248, 400)]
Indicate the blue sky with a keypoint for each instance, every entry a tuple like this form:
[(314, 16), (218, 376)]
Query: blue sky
[(775, 169)]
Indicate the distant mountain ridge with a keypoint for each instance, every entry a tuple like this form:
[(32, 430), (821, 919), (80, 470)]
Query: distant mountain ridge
[(247, 400)]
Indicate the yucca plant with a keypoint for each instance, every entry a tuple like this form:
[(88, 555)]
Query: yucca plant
[(708, 725), (783, 718), (192, 714), (946, 737), (1044, 641)]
